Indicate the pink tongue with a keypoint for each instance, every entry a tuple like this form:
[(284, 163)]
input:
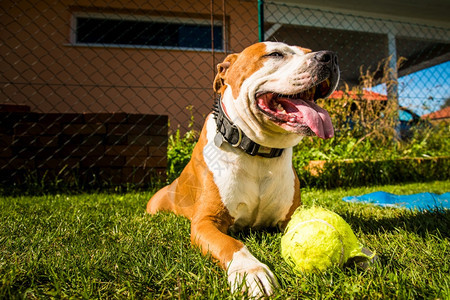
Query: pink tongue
[(315, 117)]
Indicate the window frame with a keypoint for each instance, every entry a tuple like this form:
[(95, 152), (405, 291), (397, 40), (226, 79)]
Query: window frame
[(142, 18)]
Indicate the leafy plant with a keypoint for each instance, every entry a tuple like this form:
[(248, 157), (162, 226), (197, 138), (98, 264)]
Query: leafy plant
[(179, 151), (180, 147)]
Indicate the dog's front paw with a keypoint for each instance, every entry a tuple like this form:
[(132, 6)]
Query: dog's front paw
[(246, 273)]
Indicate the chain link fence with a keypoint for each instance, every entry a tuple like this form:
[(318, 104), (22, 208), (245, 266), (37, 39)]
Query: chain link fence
[(90, 89), (416, 57)]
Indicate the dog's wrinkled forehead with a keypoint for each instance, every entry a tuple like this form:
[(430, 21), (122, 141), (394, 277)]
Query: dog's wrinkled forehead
[(284, 48), (236, 68)]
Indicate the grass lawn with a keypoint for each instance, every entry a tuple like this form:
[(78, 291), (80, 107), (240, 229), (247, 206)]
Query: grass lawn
[(105, 246)]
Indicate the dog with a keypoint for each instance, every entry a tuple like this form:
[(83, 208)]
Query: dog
[(240, 174)]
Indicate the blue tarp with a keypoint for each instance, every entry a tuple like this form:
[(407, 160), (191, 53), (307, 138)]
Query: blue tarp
[(419, 201)]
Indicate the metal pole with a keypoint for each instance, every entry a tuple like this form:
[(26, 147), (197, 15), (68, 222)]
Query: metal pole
[(212, 27), (392, 82), (213, 61), (261, 20), (392, 88), (224, 26)]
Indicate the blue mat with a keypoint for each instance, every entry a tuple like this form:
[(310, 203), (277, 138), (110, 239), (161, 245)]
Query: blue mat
[(421, 201)]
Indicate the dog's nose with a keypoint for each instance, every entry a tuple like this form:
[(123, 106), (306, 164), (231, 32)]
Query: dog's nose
[(327, 58)]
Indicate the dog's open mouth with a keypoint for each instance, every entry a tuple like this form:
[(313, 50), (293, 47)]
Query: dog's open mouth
[(299, 112)]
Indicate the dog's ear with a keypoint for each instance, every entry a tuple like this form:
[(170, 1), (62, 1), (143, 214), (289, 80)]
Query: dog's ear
[(219, 80)]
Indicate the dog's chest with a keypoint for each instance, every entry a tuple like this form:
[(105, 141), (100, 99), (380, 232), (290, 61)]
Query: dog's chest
[(257, 192)]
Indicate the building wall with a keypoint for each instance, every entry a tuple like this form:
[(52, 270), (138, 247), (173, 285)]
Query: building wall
[(42, 69)]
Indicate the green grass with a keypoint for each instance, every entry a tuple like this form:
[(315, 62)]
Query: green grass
[(105, 246)]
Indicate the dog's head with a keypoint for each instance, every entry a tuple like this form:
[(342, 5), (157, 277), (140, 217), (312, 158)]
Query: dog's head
[(269, 90)]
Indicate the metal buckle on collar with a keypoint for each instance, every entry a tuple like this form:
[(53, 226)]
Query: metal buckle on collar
[(226, 131), (264, 150), (239, 137)]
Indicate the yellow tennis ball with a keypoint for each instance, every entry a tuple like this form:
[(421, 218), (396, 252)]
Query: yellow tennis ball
[(316, 239)]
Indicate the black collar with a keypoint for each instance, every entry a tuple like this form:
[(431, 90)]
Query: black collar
[(229, 132)]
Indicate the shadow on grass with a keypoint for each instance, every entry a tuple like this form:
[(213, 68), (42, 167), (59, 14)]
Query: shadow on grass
[(436, 222)]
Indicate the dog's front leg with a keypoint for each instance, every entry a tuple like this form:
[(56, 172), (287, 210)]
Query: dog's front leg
[(248, 273), (244, 270)]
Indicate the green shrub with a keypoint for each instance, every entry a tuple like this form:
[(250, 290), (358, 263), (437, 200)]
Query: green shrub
[(179, 152), (352, 161), (433, 142), (353, 173)]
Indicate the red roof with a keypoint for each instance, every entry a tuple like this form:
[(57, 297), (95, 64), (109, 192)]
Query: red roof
[(440, 114), (366, 95)]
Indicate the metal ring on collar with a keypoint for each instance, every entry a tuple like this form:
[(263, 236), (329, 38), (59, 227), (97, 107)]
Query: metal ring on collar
[(239, 138)]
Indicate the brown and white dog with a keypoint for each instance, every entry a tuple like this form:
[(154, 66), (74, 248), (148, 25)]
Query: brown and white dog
[(240, 174)]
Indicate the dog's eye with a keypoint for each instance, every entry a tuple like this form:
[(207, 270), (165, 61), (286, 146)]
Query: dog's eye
[(275, 54)]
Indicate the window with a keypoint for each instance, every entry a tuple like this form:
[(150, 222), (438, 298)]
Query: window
[(140, 31), (405, 116)]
